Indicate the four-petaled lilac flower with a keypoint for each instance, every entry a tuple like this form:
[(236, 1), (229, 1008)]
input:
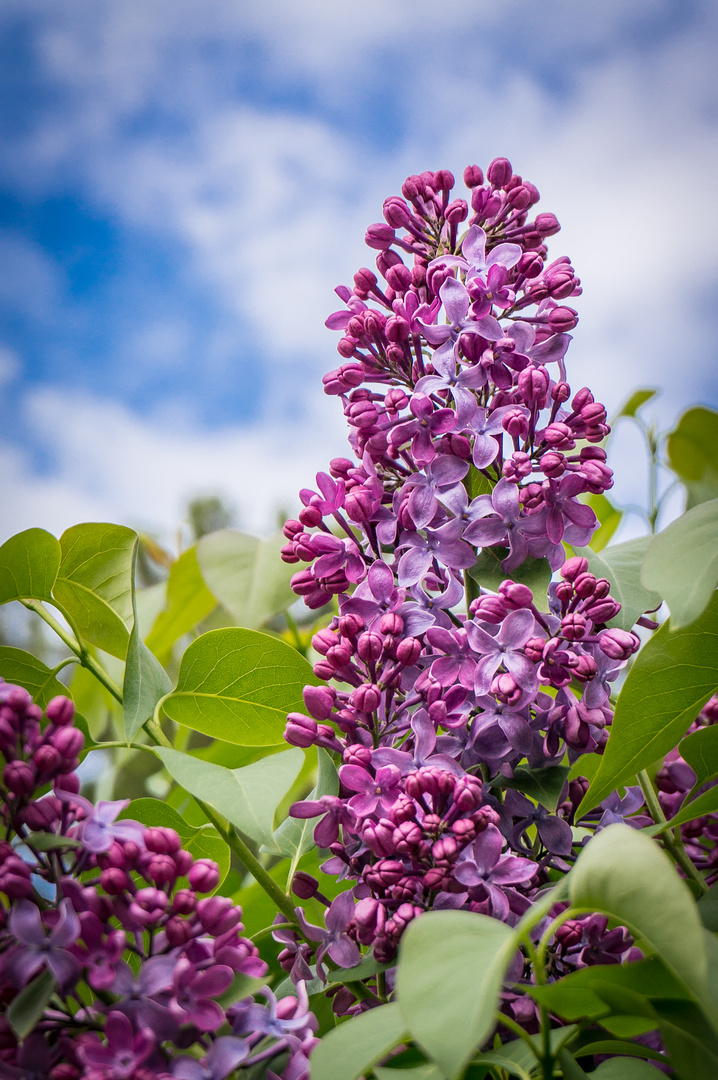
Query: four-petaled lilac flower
[(458, 660), (223, 1057), (555, 833), (457, 302), (501, 521), (138, 992), (334, 940), (443, 544), (376, 595), (428, 422), (442, 476), (125, 1050), (99, 955), (488, 871), (459, 381), (485, 425), (100, 828), (423, 755), (373, 791), (39, 949), (192, 993), (334, 811), (505, 648)]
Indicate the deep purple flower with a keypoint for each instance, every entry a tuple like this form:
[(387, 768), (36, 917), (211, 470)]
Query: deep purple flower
[(554, 832), (373, 791), (224, 1055), (334, 813), (334, 940), (138, 993), (487, 872), (457, 302), (125, 1051), (39, 949), (503, 522), (442, 476), (192, 993), (443, 544), (504, 649), (100, 954), (428, 422)]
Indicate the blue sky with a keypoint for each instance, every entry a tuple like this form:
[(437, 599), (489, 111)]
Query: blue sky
[(183, 183)]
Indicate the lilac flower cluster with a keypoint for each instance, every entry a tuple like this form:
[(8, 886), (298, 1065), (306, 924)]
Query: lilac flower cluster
[(466, 439), (122, 919)]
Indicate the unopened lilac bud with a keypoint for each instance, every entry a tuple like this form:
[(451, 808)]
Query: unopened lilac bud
[(467, 793), (534, 649), (162, 840), (68, 741), (19, 778), (618, 644), (183, 861), (546, 224), (506, 689), (179, 932), (310, 517), (533, 384), (339, 656), (46, 760), (562, 319), (42, 815), (584, 667), (114, 880), (516, 595), (396, 213), (473, 176), (408, 651), (571, 933), (300, 730), (304, 885), (319, 701), (491, 609), (366, 698), (499, 172), (600, 611), (218, 914), (15, 877), (161, 869), (553, 464), (370, 646), (574, 626), (379, 236), (584, 585), (184, 901), (516, 423), (370, 917), (60, 711), (530, 264), (573, 567)]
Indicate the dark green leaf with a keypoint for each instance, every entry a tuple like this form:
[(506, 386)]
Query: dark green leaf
[(621, 565), (610, 876), (94, 583), (28, 566), (145, 682), (246, 797), (635, 401), (700, 750), (618, 1046), (487, 571), (28, 1007), (247, 575), (368, 967), (609, 516), (681, 563), (421, 1072), (43, 841), (18, 666), (708, 909), (671, 679), (238, 685), (624, 1068), (354, 1046), (570, 1067), (544, 786), (295, 835), (689, 1039), (693, 454), (188, 602), (203, 842), (467, 953)]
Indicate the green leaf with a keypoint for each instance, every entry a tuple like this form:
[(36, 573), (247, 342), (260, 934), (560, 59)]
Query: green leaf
[(203, 842), (94, 583), (354, 1046), (610, 875), (693, 454), (708, 909), (246, 797), (700, 750), (681, 563), (570, 1067), (29, 563), (706, 803), (618, 1046), (18, 666), (609, 516), (487, 571), (466, 953), (499, 1060), (671, 679), (623, 1068), (238, 685), (27, 1008), (689, 1039), (634, 403), (188, 602), (43, 841), (368, 967), (295, 836), (421, 1072), (145, 681), (544, 786), (621, 565), (246, 574)]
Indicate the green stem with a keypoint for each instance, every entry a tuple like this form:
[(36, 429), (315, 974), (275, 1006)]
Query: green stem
[(86, 659), (671, 842), (294, 631), (268, 930), (512, 1025), (253, 865)]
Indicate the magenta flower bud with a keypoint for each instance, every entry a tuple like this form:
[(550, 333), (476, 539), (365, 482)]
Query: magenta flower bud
[(366, 698), (370, 646), (574, 626), (291, 528), (322, 669), (391, 623), (148, 906), (161, 869), (349, 626), (443, 180), (559, 436), (114, 880), (379, 236), (339, 656), (396, 213), (178, 932), (533, 384), (553, 464), (562, 319), (546, 224), (530, 264), (561, 391), (19, 778), (319, 701), (310, 517), (571, 933), (505, 688), (364, 280), (204, 876), (534, 649), (42, 816), (184, 902), (467, 793), (46, 760), (583, 667), (68, 741), (370, 917), (323, 640), (300, 730), (491, 609), (15, 876), (473, 176), (499, 172), (60, 711), (574, 567), (516, 595), (217, 914), (399, 278), (18, 699), (408, 651), (304, 885), (287, 555), (456, 212), (162, 840), (360, 504), (584, 585)]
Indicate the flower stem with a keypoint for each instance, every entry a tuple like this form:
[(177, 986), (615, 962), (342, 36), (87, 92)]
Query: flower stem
[(86, 659), (671, 842)]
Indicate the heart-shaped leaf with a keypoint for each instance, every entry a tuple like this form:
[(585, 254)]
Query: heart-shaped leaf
[(351, 1049), (246, 574), (29, 563), (681, 563)]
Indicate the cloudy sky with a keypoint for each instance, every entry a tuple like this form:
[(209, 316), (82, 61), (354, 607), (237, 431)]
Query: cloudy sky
[(184, 182)]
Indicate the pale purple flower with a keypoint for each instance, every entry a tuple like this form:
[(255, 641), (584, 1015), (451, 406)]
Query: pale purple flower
[(138, 992), (488, 872), (99, 828), (484, 426), (334, 940), (334, 811), (375, 596), (458, 660), (499, 730), (565, 511), (429, 608), (459, 381), (192, 993), (443, 544), (373, 791), (427, 423), (438, 479), (504, 649), (423, 750), (457, 302), (39, 949), (500, 521), (125, 1050), (223, 1057)]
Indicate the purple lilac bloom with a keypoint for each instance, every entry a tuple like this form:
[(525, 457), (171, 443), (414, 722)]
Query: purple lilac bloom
[(487, 873)]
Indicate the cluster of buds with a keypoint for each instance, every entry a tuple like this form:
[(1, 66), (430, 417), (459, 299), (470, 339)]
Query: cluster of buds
[(127, 924)]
